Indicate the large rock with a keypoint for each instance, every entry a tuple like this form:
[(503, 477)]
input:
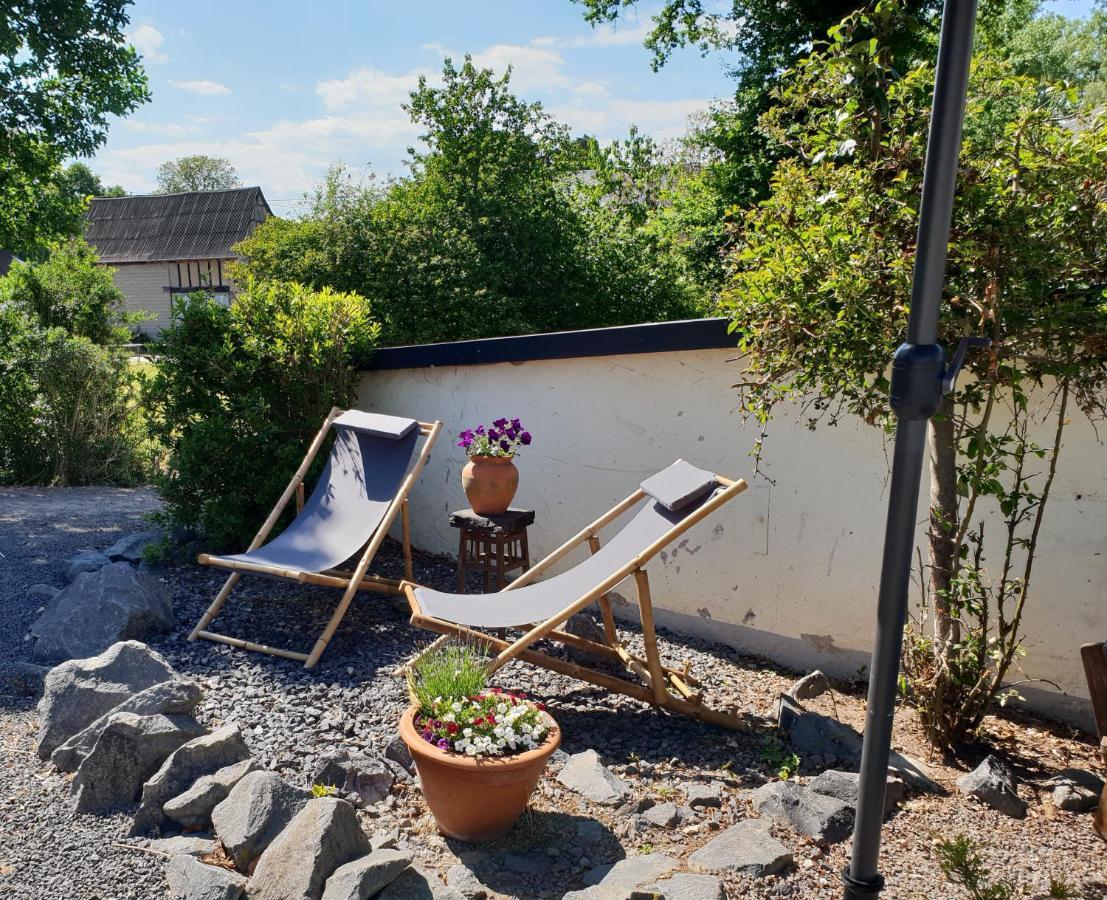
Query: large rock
[(1075, 790), (846, 786), (748, 847), (175, 697), (192, 809), (363, 877), (190, 879), (419, 884), (810, 686), (584, 626), (622, 877), (993, 783), (585, 774), (810, 814), (256, 810), (322, 836), (366, 779), (82, 562), (78, 692), (115, 603), (684, 886), (131, 548), (203, 756), (129, 750)]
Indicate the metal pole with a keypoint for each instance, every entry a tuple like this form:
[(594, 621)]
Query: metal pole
[(917, 373)]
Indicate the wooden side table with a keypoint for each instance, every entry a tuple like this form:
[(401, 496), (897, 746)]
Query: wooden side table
[(494, 545)]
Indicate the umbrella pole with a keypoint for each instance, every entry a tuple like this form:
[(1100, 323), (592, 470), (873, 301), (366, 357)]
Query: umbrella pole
[(917, 374)]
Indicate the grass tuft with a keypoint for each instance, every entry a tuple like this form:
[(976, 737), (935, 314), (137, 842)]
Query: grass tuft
[(452, 672)]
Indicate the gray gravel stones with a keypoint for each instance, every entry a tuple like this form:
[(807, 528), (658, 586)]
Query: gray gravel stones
[(589, 777), (747, 847), (465, 881), (809, 813), (192, 809), (203, 755), (704, 796), (256, 810), (634, 871), (129, 750), (190, 879), (363, 877), (663, 815), (81, 562), (684, 886), (79, 691), (43, 593), (363, 779), (993, 783), (130, 548), (417, 883), (175, 697), (810, 686), (846, 787), (114, 603), (322, 836)]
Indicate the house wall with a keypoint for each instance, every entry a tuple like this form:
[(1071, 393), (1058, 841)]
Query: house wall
[(145, 288), (789, 568)]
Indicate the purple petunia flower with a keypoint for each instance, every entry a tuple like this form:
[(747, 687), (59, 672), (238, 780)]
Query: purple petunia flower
[(428, 735), (511, 434), (493, 435), (505, 446), (524, 438), (516, 424), (480, 429), (443, 744), (500, 423)]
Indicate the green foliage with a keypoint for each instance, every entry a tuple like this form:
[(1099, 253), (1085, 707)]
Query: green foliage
[(323, 790), (964, 865), (196, 173), (69, 290), (454, 671), (68, 408), (65, 68), (486, 237), (239, 393), (779, 758)]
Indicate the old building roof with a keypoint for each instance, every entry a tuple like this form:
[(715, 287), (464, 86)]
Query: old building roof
[(161, 227)]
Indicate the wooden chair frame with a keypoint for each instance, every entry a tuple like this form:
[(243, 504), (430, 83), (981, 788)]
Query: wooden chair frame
[(1094, 657), (659, 685), (350, 581)]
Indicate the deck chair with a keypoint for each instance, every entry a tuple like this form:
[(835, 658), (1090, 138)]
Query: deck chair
[(1095, 668), (672, 501), (362, 487)]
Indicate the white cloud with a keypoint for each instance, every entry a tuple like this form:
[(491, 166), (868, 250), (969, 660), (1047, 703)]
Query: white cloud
[(661, 119), (147, 40), (531, 67), (201, 86), (611, 36), (367, 88)]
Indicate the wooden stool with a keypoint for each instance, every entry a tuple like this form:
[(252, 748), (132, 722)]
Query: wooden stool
[(494, 545)]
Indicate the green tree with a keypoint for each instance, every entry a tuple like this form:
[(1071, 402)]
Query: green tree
[(65, 68), (819, 301), (240, 392), (196, 173), (83, 183)]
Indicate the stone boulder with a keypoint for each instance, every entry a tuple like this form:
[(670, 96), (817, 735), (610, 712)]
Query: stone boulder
[(585, 774), (362, 779), (115, 603), (846, 786), (204, 755), (256, 810), (80, 691), (1075, 790), (417, 883), (131, 547), (365, 876), (129, 750), (175, 697), (993, 783), (622, 877), (584, 626), (192, 809), (190, 879), (82, 562), (810, 814), (321, 837), (44, 593), (747, 847), (684, 886), (810, 686), (703, 796)]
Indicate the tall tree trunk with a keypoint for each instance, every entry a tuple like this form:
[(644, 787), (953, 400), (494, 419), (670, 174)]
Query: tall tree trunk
[(943, 523)]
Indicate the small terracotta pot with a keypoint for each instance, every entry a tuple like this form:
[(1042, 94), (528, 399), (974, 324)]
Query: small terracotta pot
[(490, 483), (476, 799)]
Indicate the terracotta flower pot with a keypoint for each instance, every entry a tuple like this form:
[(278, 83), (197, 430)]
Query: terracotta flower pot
[(476, 799), (490, 483)]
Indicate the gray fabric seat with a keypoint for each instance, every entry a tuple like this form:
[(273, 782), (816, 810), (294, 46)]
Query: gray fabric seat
[(361, 478), (542, 600)]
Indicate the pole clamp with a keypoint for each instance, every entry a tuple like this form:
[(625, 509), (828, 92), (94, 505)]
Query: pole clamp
[(920, 377), (857, 888)]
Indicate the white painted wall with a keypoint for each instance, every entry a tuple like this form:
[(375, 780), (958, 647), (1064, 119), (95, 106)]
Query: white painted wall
[(789, 569), (144, 287)]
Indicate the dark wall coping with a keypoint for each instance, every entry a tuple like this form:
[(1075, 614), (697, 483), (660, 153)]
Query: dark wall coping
[(654, 337)]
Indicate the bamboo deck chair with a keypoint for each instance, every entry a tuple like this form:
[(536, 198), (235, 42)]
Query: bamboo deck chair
[(1095, 668), (675, 499), (363, 486)]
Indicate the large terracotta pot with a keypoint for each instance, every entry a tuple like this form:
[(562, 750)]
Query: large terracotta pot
[(490, 483), (476, 799)]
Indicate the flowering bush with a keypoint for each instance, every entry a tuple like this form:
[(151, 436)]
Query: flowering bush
[(492, 723), (502, 438)]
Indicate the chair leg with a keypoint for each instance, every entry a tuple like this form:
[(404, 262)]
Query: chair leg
[(649, 636), (332, 626), (216, 605)]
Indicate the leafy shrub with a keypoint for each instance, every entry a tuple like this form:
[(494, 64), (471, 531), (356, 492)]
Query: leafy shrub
[(239, 393)]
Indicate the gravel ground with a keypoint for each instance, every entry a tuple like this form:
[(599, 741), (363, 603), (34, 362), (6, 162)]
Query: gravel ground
[(291, 717)]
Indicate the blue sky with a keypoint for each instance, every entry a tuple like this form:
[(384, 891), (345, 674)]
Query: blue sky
[(285, 88)]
